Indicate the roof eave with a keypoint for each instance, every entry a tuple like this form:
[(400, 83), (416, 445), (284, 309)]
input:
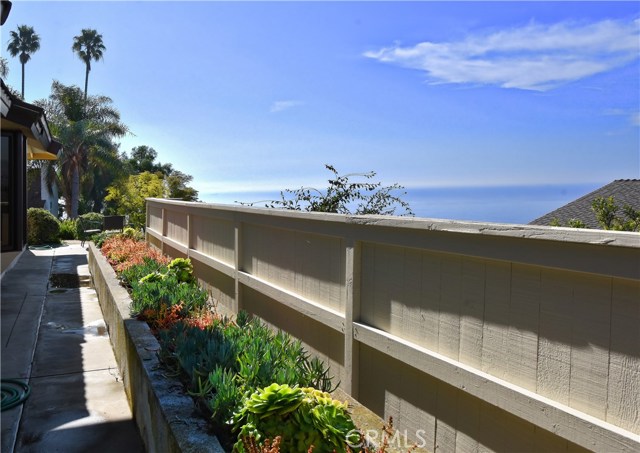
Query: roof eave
[(31, 120)]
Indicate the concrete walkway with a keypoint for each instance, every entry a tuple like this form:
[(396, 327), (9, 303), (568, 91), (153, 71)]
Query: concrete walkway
[(54, 338)]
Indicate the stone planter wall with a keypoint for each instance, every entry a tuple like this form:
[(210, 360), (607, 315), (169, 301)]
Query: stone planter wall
[(163, 412)]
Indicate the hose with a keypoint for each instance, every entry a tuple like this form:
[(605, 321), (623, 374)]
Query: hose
[(40, 247), (14, 392)]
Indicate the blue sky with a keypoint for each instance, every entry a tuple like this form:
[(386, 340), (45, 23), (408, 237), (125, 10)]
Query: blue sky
[(257, 97)]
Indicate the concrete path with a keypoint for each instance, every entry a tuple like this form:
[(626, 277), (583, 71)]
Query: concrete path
[(54, 338)]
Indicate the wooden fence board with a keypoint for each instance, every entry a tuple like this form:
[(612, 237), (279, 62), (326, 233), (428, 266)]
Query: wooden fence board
[(450, 300), (554, 346), (624, 366), (495, 337), (472, 311), (590, 345), (522, 347)]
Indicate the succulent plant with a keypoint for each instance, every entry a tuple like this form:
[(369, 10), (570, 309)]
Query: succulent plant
[(182, 269), (302, 417)]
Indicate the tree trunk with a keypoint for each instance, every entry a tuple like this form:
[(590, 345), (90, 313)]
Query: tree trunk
[(75, 192), (23, 81), (86, 84)]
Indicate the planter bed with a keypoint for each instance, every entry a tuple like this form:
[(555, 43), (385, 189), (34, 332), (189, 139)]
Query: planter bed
[(166, 416)]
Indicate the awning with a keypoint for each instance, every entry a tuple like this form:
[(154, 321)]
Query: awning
[(35, 151)]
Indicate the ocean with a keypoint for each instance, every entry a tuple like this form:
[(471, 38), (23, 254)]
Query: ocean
[(500, 204)]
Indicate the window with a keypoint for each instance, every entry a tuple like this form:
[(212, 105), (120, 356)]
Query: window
[(12, 182)]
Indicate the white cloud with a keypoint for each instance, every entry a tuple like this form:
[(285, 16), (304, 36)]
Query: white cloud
[(634, 116), (279, 106), (533, 57), (615, 112)]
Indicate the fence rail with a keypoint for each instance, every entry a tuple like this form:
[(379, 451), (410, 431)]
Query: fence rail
[(470, 335)]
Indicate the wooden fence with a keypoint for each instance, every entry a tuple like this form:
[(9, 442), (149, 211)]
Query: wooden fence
[(472, 336)]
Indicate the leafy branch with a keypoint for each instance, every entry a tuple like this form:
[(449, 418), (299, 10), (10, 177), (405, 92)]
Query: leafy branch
[(344, 195)]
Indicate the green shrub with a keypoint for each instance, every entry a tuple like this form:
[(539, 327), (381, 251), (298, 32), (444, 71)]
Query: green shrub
[(576, 223), (42, 227), (92, 218), (180, 268), (132, 233), (165, 293), (137, 272), (68, 229), (99, 238), (127, 233)]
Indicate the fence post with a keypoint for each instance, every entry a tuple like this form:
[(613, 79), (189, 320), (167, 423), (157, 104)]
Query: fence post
[(164, 228), (237, 263), (188, 234), (352, 314), (147, 221)]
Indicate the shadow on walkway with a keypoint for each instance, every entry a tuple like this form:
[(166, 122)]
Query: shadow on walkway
[(54, 337)]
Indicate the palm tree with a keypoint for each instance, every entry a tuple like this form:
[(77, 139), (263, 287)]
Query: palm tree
[(105, 167), (86, 130), (23, 43), (88, 45)]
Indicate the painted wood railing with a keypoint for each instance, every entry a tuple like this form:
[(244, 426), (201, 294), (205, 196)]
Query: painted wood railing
[(470, 335)]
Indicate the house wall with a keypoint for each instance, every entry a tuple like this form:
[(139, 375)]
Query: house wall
[(470, 335)]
